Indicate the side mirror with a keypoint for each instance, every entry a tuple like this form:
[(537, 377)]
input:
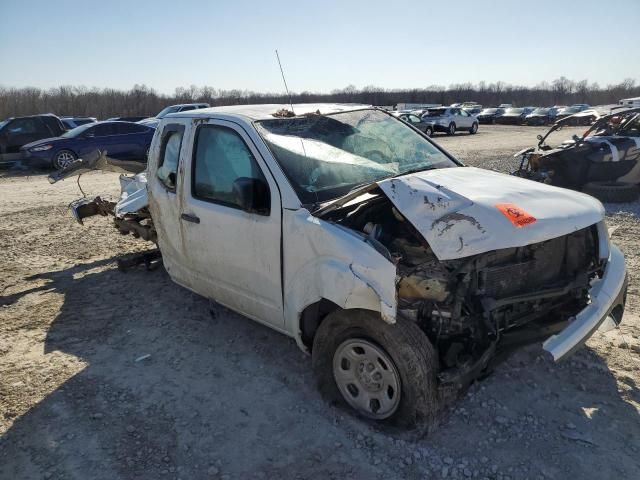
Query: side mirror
[(252, 194)]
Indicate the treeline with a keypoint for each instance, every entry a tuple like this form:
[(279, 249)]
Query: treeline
[(142, 100)]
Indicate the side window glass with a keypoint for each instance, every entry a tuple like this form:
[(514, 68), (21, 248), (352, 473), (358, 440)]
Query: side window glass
[(221, 158), (187, 108), (123, 128), (22, 126), (103, 130), (169, 156)]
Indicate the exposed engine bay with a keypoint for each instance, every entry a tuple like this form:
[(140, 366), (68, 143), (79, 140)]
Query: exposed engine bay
[(467, 306)]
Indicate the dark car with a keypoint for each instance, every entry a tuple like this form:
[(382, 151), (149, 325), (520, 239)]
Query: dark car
[(542, 116), (19, 131), (514, 116), (120, 140), (489, 115)]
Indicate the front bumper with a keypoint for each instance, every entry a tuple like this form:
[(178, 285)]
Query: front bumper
[(36, 160), (608, 295)]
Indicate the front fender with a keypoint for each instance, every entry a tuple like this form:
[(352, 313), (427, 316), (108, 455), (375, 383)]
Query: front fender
[(325, 261)]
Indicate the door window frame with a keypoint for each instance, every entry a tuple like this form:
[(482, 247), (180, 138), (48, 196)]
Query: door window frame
[(194, 153), (167, 131)]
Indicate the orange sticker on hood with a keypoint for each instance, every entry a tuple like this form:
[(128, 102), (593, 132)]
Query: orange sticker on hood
[(516, 215)]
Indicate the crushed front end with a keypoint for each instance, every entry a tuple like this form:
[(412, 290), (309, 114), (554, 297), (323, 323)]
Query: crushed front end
[(475, 307)]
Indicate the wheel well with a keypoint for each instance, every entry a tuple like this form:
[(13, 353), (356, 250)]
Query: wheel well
[(312, 316)]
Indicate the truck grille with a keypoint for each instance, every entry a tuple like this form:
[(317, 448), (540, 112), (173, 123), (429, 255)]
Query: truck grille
[(538, 266)]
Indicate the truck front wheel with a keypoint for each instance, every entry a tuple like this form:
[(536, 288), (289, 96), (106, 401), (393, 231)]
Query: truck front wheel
[(382, 371)]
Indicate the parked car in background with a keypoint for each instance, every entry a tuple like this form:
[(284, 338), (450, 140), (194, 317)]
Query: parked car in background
[(120, 140), (572, 110), (416, 121), (19, 131), (128, 119), (514, 116), (542, 116), (489, 115), (73, 122), (183, 107), (474, 110), (450, 120), (505, 105)]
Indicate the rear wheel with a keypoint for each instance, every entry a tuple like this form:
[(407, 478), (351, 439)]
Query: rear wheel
[(382, 371), (614, 192), (428, 131), (474, 129), (63, 159), (451, 129)]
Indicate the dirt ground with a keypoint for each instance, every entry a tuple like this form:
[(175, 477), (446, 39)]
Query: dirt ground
[(111, 375)]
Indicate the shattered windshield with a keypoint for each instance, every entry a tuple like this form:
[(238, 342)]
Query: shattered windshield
[(326, 156)]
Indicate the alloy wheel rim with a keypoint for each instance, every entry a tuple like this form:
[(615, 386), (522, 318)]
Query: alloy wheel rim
[(367, 378), (64, 159)]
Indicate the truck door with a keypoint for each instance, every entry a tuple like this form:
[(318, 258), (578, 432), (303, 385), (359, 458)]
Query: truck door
[(235, 254), (165, 181)]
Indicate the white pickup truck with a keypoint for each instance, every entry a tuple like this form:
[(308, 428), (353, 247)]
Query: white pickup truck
[(399, 269)]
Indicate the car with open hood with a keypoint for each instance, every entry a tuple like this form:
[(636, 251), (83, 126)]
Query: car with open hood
[(604, 161), (401, 271)]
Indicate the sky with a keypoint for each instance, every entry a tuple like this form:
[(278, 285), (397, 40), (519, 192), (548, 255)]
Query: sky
[(323, 44)]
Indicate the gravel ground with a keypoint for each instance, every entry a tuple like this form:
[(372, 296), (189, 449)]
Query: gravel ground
[(107, 375)]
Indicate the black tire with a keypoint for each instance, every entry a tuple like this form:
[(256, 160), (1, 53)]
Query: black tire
[(57, 161), (408, 347), (474, 129), (428, 131), (451, 129), (614, 192)]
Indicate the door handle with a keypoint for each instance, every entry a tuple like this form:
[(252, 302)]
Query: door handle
[(190, 218)]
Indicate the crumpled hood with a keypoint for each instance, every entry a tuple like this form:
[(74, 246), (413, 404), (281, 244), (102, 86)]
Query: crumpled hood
[(465, 211)]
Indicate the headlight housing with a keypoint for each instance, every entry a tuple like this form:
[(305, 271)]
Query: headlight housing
[(41, 148)]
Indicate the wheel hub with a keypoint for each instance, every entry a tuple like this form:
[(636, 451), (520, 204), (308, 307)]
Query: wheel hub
[(367, 378)]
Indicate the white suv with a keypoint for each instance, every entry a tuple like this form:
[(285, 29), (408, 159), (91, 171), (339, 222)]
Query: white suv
[(451, 119)]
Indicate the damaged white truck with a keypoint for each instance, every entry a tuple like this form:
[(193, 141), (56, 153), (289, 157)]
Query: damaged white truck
[(402, 272)]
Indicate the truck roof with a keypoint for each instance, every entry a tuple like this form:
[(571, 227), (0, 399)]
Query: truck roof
[(267, 111)]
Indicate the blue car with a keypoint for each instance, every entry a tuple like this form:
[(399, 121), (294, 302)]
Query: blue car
[(120, 140)]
